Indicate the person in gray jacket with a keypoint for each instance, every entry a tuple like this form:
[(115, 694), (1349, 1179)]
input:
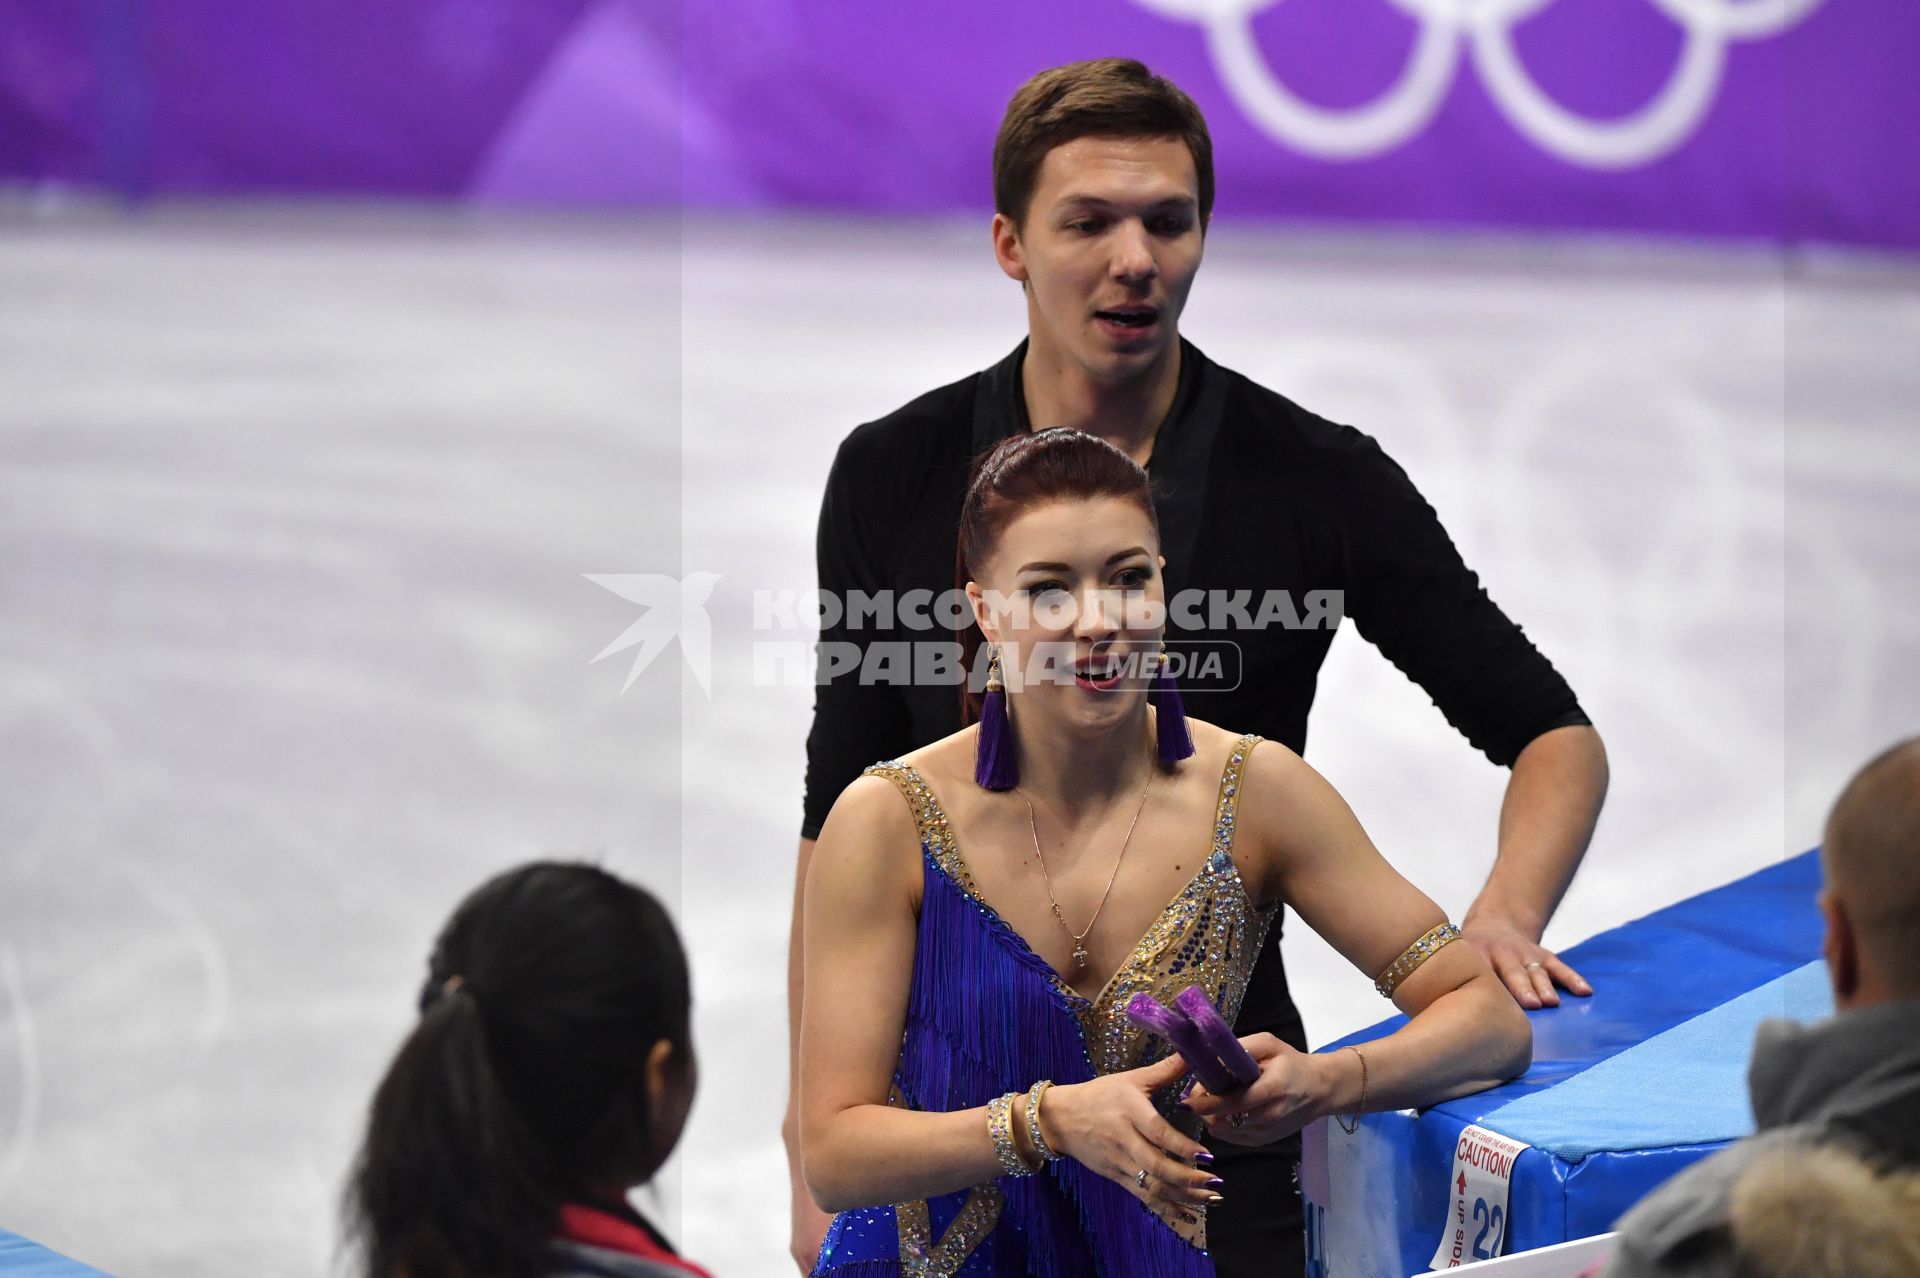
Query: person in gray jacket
[(1830, 1183)]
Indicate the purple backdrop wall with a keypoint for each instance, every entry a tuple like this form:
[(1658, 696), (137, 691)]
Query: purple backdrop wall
[(1781, 119)]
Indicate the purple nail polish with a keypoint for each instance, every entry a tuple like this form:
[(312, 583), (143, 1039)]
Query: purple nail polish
[(1203, 1159), (1213, 1182)]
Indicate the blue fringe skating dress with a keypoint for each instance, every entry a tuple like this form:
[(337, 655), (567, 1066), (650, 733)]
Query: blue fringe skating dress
[(986, 1016)]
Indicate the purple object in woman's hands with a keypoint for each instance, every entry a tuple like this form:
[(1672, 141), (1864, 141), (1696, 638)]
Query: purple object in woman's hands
[(1217, 1035), (1147, 1012)]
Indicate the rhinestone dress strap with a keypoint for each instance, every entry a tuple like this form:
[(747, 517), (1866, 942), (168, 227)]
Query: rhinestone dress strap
[(1230, 792), (936, 835)]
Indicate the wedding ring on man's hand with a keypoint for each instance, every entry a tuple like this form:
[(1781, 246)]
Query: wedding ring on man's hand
[(1532, 965), (1141, 1179)]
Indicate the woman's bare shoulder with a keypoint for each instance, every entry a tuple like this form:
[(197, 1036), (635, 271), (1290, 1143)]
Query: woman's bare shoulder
[(866, 863), (1213, 744), (869, 825), (1286, 807), (1275, 780)]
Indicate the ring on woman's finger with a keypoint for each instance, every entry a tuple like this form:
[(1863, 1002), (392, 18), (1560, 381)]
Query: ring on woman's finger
[(1532, 965), (1239, 1120), (1141, 1179)]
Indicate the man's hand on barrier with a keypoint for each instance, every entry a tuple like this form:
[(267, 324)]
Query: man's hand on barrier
[(1530, 971)]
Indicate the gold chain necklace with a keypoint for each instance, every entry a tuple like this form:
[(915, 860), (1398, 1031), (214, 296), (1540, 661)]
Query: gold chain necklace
[(1080, 955)]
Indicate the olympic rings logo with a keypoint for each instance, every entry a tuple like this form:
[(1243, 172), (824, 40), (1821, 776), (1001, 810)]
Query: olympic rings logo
[(1486, 28)]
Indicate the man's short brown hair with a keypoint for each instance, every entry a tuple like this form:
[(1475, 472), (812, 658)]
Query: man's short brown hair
[(1107, 97)]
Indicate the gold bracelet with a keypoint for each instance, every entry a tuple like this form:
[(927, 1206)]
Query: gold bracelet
[(1034, 1134), (1437, 939), (1000, 1127), (1361, 1108)]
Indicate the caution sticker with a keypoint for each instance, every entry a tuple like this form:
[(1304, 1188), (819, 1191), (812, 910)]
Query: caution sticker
[(1477, 1198)]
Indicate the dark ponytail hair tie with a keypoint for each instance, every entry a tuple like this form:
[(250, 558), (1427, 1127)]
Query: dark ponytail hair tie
[(444, 992)]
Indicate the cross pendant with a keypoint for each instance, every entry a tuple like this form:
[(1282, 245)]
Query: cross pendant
[(1080, 955)]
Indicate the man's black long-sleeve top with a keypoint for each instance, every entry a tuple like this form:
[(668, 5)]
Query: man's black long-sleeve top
[(1253, 494)]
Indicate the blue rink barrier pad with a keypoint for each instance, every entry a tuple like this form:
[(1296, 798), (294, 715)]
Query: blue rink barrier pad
[(1627, 1087), (20, 1258)]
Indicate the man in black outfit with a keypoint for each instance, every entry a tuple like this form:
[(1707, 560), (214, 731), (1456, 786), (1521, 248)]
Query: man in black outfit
[(1103, 182)]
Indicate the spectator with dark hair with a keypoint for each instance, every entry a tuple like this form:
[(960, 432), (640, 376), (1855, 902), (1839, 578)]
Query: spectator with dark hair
[(1830, 1185), (550, 1072)]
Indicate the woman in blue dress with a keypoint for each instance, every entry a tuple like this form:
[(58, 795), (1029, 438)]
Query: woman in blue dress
[(980, 911)]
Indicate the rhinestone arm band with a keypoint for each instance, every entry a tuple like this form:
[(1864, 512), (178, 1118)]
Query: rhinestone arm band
[(1034, 1134), (1000, 1127), (1413, 956)]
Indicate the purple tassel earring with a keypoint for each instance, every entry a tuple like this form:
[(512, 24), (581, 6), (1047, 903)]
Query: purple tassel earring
[(1173, 741), (994, 767)]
